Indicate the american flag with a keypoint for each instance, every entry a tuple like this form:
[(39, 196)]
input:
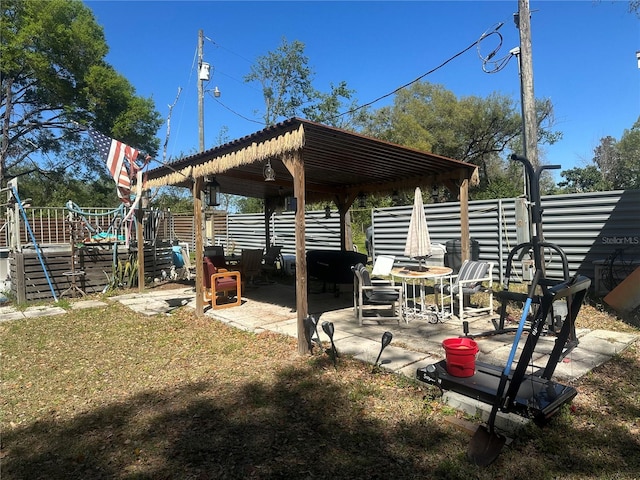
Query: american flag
[(114, 153)]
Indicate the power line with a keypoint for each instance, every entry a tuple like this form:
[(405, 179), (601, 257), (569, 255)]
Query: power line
[(499, 64), (238, 114), (485, 35), (230, 51)]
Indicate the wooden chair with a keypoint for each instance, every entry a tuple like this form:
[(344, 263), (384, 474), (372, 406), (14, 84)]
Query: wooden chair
[(251, 264), (219, 261), (221, 284), (370, 295)]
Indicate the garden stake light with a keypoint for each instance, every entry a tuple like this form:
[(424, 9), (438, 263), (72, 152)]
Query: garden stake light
[(329, 330), (386, 340), (311, 326)]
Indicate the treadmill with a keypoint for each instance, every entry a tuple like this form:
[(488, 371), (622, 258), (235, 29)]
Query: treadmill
[(533, 395)]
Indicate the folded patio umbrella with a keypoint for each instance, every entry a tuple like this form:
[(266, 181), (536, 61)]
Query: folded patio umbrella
[(418, 244)]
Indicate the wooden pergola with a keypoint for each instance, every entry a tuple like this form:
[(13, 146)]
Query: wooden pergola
[(312, 163)]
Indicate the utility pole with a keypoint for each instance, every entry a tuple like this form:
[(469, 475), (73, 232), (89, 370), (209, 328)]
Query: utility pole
[(200, 90), (198, 184), (530, 124), (529, 118)]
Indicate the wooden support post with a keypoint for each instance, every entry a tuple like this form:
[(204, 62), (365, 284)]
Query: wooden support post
[(197, 220), (295, 165), (346, 235), (464, 219), (140, 240), (268, 212), (18, 279), (526, 84)]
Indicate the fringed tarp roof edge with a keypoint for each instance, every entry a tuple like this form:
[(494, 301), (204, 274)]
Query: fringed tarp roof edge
[(255, 152)]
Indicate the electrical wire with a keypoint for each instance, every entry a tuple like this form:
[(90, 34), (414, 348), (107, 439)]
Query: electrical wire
[(485, 35), (230, 51), (499, 64), (194, 62), (236, 113), (241, 82), (227, 75), (360, 107)]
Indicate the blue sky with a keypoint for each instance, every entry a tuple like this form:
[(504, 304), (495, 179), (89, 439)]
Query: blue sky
[(584, 58)]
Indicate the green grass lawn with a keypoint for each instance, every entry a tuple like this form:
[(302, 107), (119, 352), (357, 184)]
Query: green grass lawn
[(107, 393)]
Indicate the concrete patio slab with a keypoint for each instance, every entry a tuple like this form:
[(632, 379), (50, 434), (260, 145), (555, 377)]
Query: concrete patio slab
[(46, 311), (272, 308), (82, 304), (10, 313)]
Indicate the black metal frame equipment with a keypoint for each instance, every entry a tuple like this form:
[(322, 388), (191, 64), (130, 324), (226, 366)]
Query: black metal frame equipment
[(533, 395)]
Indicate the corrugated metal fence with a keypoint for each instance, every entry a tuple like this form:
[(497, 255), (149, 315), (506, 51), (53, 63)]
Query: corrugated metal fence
[(247, 231), (599, 232)]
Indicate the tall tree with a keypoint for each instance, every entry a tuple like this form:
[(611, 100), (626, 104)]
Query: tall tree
[(472, 129), (287, 88), (285, 77), (582, 180), (327, 108), (607, 159), (53, 79), (629, 150), (286, 80), (619, 161), (616, 165)]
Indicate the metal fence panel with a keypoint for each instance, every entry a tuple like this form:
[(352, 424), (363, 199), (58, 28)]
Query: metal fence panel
[(590, 228), (597, 231), (247, 231), (50, 225)]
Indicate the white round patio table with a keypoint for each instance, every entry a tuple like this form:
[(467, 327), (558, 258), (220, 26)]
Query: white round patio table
[(417, 278)]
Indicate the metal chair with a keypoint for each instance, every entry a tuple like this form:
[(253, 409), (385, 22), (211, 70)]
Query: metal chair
[(370, 295), (272, 261), (470, 280)]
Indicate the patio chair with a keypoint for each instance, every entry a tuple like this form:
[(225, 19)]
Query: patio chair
[(272, 262), (221, 286), (214, 251), (251, 264), (470, 280), (370, 295), (219, 261)]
